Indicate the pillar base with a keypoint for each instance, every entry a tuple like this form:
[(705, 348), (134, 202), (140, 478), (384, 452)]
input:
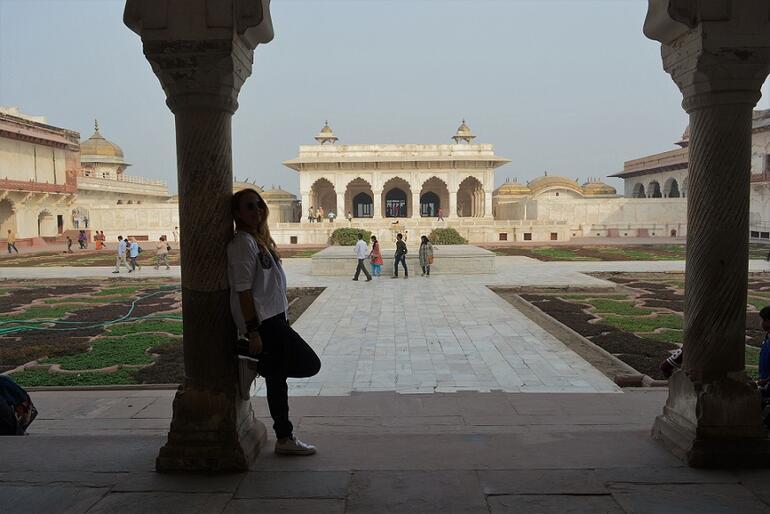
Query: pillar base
[(715, 425), (212, 432)]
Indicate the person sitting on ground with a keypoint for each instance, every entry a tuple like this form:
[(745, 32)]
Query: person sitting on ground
[(259, 308)]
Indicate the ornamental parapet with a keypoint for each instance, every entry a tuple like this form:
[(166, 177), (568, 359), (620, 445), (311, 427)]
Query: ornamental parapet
[(36, 187)]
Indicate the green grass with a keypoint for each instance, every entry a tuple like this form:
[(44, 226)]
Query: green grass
[(639, 324), (42, 377), (131, 350), (78, 299), (758, 303), (588, 296), (112, 291), (667, 336), (562, 254), (304, 254), (752, 356), (122, 329), (623, 308), (638, 255), (40, 313)]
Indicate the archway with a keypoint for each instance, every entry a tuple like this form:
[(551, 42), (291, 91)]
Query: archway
[(359, 199), (323, 195), (671, 188), (7, 218), (470, 198), (638, 191), (434, 196), (396, 198), (46, 224), (653, 190), (363, 206)]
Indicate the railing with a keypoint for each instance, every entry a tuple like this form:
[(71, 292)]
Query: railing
[(124, 178)]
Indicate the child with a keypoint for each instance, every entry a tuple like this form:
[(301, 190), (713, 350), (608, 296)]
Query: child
[(69, 244)]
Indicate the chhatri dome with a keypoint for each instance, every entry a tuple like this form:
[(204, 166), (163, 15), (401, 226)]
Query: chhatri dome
[(326, 135), (276, 193), (512, 188), (97, 149), (463, 134), (595, 187)]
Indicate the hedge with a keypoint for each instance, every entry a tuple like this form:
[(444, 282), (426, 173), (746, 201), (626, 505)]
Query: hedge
[(446, 236), (348, 236)]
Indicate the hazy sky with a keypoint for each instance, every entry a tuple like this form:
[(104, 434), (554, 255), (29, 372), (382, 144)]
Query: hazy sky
[(567, 86)]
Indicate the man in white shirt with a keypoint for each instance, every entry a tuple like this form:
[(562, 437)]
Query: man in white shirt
[(362, 252)]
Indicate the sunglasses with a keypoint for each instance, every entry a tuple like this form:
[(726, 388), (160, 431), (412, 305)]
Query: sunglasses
[(252, 206)]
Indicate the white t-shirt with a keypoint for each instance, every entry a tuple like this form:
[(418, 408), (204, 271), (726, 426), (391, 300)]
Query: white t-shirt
[(250, 269), (361, 249)]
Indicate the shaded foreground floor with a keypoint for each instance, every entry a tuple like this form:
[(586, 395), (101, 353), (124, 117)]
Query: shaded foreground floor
[(379, 452)]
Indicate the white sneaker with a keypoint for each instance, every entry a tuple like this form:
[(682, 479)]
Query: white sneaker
[(293, 446)]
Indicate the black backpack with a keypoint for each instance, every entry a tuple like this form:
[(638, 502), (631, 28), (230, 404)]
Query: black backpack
[(16, 409)]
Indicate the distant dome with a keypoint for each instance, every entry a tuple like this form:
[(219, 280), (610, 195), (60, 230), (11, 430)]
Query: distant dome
[(511, 188), (553, 181), (241, 185), (276, 193), (598, 188), (98, 149), (463, 134), (326, 135), (685, 141)]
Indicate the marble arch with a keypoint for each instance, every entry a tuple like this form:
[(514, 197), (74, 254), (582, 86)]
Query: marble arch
[(359, 199), (653, 190), (470, 198), (396, 198), (434, 195), (7, 216), (671, 188), (323, 195), (639, 191)]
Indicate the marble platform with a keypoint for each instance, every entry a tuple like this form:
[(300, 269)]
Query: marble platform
[(447, 260)]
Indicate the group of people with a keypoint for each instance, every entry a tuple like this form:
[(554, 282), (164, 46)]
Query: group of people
[(425, 254), (129, 250)]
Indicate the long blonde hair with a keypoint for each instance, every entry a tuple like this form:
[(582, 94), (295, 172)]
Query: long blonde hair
[(261, 233)]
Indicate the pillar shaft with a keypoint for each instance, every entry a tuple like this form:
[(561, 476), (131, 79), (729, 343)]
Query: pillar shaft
[(415, 205), (377, 204), (452, 205), (718, 247)]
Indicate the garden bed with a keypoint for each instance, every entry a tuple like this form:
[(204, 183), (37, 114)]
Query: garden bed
[(104, 334)]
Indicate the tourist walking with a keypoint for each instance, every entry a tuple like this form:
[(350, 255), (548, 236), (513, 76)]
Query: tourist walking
[(310, 217), (82, 239), (120, 259), (69, 245), (349, 217), (331, 216), (376, 257), (11, 242), (361, 251), (400, 256), (426, 255), (440, 214), (259, 308), (133, 253), (161, 253), (318, 215), (175, 234), (98, 241)]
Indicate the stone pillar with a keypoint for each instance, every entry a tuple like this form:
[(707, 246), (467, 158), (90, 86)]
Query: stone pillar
[(452, 205), (488, 204), (305, 206), (341, 207), (718, 53), (202, 53), (377, 204), (416, 205)]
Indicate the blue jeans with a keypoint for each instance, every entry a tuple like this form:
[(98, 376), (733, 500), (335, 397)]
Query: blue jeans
[(402, 260)]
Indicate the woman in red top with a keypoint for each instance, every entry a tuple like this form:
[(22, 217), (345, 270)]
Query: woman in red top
[(376, 257)]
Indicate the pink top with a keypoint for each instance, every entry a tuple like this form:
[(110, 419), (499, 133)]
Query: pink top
[(376, 255)]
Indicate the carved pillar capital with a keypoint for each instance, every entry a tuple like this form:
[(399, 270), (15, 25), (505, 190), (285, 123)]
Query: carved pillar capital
[(716, 51), (201, 60)]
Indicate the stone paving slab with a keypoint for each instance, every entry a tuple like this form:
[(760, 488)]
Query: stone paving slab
[(539, 458)]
